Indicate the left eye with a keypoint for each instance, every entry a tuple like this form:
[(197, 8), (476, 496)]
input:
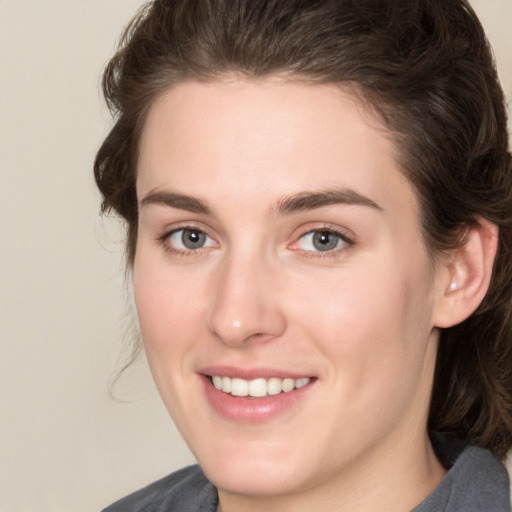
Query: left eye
[(321, 241), (189, 239)]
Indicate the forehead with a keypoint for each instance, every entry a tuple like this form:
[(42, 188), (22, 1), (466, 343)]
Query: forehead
[(250, 138)]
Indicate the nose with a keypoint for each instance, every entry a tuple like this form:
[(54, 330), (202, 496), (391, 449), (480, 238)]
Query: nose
[(245, 306)]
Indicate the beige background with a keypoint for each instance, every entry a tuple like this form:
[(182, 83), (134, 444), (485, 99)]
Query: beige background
[(65, 445)]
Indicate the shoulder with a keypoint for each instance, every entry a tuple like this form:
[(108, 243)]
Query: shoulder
[(186, 489), (476, 482), (480, 480)]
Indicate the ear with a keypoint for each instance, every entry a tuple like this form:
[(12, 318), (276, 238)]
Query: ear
[(467, 274)]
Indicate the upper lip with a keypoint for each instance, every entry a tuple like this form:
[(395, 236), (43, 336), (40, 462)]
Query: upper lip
[(251, 373)]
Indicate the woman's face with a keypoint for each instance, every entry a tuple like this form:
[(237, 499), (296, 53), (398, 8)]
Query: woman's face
[(279, 254)]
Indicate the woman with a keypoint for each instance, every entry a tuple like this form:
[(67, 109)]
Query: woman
[(318, 203)]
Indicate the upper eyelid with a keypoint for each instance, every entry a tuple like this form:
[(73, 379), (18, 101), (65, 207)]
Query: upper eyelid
[(344, 233), (166, 232), (338, 232), (188, 228), (343, 237), (178, 226)]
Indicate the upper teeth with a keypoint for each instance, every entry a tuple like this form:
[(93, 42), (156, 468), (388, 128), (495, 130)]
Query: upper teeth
[(257, 387)]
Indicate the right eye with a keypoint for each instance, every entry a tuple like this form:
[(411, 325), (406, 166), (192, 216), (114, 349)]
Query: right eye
[(188, 239)]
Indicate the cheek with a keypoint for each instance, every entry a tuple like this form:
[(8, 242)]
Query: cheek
[(167, 307), (372, 323)]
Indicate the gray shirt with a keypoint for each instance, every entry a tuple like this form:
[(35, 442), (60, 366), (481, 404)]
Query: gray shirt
[(476, 482)]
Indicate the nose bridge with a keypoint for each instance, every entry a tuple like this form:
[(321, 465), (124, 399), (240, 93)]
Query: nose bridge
[(244, 306)]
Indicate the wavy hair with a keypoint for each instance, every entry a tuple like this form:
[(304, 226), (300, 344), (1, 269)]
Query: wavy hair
[(426, 68)]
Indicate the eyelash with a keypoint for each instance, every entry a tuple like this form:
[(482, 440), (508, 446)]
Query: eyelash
[(347, 242), (169, 248)]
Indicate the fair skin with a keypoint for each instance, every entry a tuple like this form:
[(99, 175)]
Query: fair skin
[(278, 238)]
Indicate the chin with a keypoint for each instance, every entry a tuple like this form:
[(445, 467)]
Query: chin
[(256, 478), (254, 468)]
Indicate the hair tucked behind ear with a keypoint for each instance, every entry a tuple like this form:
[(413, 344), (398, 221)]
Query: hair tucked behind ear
[(426, 68)]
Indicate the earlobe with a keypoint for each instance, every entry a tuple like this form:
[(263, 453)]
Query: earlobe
[(469, 272)]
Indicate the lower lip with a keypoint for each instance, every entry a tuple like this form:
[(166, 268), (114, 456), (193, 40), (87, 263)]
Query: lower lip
[(249, 409)]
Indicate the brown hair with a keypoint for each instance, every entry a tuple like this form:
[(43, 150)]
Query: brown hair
[(426, 68)]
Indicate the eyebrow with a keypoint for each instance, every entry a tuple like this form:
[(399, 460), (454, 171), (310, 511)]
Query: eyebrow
[(312, 200), (303, 201), (175, 200)]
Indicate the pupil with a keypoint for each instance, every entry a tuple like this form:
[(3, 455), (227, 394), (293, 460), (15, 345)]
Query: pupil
[(193, 239), (325, 241)]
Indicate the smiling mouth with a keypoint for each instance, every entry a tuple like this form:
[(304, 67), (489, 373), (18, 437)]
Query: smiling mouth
[(257, 388)]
